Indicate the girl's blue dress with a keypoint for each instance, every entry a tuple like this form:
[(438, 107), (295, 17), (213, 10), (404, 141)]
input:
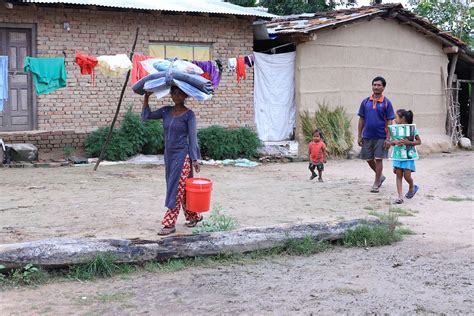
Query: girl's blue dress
[(404, 164)]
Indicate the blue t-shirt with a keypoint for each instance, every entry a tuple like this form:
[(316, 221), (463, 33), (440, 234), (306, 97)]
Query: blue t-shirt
[(375, 117)]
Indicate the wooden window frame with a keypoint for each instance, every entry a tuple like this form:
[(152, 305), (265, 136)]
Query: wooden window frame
[(193, 44)]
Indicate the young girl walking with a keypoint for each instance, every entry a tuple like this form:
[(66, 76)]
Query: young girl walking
[(317, 155), (404, 168)]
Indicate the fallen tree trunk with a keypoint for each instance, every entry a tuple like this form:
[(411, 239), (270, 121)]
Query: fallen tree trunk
[(57, 252)]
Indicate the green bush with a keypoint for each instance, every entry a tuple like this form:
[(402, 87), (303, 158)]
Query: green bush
[(131, 138), (217, 142), (154, 136), (336, 128)]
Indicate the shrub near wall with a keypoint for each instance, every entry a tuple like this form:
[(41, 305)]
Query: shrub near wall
[(133, 137), (217, 142)]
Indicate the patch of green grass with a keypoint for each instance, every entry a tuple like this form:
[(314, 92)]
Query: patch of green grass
[(453, 198), (370, 236), (27, 275), (386, 217), (401, 211), (305, 247), (217, 222), (114, 297), (103, 265), (350, 291), (404, 231)]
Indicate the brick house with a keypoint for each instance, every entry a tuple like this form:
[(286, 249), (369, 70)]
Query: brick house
[(59, 28)]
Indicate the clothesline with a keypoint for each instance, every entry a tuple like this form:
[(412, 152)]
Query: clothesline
[(49, 74)]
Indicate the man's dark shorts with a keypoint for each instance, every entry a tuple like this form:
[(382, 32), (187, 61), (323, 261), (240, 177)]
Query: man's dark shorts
[(373, 149)]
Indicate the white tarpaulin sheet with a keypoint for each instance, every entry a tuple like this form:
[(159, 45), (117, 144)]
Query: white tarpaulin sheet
[(274, 95)]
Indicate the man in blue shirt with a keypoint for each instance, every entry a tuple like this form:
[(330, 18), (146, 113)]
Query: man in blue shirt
[(375, 114)]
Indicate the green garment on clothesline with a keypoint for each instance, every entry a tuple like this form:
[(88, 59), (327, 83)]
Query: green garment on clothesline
[(49, 74)]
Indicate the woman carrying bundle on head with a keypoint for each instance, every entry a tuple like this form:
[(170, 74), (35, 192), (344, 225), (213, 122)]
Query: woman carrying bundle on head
[(181, 155)]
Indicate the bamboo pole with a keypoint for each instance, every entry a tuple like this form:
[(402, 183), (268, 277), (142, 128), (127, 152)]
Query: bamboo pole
[(104, 147)]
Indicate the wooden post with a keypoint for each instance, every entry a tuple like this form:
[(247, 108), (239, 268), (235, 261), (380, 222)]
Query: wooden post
[(104, 147)]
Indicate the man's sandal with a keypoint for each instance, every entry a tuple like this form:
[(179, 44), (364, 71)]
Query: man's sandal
[(382, 180), (193, 223), (166, 231)]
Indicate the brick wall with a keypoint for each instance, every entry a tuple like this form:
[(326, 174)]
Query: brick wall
[(81, 107), (47, 141)]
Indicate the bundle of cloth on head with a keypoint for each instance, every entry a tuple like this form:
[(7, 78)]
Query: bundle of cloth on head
[(164, 73)]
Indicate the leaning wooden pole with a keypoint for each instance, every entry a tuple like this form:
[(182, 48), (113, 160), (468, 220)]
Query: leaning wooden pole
[(104, 147), (58, 252)]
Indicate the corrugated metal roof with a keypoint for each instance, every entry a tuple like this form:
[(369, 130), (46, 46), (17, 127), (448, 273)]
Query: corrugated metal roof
[(307, 23), (198, 6)]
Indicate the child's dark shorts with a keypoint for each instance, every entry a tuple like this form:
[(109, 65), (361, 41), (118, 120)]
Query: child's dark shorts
[(319, 166)]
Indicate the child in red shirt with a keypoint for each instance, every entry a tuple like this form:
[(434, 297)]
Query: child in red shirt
[(317, 155)]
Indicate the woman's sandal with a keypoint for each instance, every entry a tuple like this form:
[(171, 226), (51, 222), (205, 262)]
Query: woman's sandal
[(399, 201), (375, 190), (166, 231), (191, 224)]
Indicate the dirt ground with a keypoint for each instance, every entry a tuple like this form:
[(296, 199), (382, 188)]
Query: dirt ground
[(430, 272)]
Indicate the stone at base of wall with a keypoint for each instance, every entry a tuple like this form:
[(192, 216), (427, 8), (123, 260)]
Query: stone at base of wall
[(434, 143), (48, 141)]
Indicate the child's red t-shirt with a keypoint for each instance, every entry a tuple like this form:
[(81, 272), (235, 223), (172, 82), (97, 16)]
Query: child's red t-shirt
[(316, 154)]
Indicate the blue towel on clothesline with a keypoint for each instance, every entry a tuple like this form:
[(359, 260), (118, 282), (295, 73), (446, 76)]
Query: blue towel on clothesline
[(3, 81)]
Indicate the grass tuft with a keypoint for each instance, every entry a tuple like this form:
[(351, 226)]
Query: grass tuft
[(370, 236), (401, 211), (302, 247), (404, 231), (103, 265)]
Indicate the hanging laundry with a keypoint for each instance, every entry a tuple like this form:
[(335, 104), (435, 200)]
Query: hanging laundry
[(241, 68), (49, 74), (249, 60), (232, 64), (87, 65), (211, 72), (114, 65), (138, 72), (3, 81), (219, 65)]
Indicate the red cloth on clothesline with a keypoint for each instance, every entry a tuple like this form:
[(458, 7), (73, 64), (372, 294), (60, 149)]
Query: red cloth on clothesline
[(87, 64), (240, 68), (138, 72)]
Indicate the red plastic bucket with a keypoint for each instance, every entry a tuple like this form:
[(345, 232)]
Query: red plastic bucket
[(198, 194)]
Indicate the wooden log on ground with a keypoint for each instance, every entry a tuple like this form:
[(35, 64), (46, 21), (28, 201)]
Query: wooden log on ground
[(58, 252)]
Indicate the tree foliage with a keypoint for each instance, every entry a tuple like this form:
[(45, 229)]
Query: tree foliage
[(244, 3), (454, 16), (289, 7)]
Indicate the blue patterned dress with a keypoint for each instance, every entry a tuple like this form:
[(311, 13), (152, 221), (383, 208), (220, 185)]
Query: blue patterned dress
[(180, 141)]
